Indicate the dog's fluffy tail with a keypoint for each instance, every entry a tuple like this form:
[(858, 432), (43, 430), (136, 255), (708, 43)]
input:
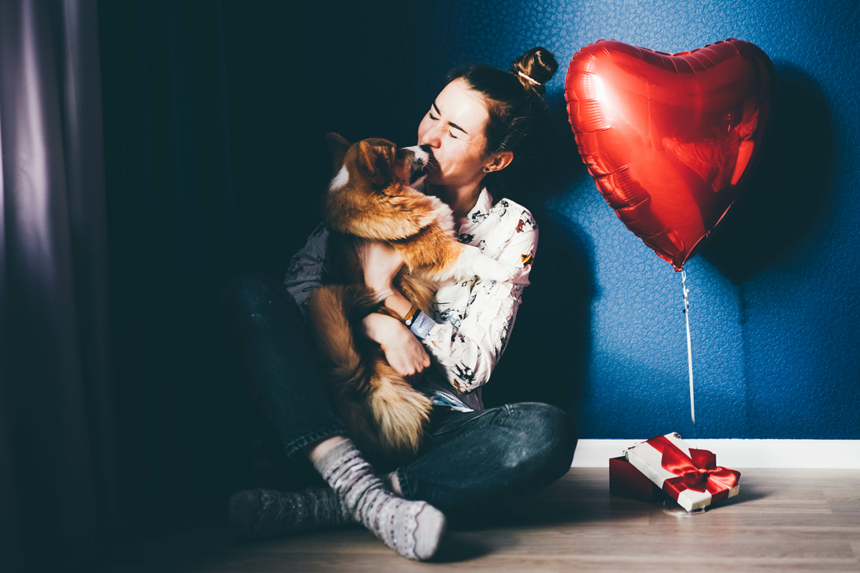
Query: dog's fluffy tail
[(384, 414)]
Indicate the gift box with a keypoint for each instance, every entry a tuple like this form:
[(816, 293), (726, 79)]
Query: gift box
[(626, 481), (689, 476)]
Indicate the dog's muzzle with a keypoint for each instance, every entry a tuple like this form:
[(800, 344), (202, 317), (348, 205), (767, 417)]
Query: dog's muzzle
[(421, 157)]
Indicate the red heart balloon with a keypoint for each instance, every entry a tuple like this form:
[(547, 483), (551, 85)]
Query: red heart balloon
[(669, 138)]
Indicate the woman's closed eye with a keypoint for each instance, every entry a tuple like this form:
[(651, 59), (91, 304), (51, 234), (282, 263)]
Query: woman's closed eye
[(435, 118)]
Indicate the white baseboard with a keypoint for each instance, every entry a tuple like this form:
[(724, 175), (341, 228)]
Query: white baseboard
[(736, 454)]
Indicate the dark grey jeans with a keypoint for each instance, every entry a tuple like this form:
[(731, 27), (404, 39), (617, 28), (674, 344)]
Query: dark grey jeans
[(469, 458)]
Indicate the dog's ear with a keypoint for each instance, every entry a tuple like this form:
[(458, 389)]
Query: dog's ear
[(338, 147), (376, 161)]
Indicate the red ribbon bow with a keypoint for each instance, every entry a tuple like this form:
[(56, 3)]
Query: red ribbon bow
[(697, 472)]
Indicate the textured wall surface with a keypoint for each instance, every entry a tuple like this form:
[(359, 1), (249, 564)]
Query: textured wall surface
[(775, 312)]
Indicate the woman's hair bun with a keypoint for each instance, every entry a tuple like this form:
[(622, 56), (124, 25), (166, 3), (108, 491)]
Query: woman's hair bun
[(538, 64)]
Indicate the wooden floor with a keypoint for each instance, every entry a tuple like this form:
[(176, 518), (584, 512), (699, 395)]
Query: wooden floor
[(782, 520)]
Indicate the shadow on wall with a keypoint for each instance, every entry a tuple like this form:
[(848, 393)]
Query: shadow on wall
[(546, 356), (790, 187)]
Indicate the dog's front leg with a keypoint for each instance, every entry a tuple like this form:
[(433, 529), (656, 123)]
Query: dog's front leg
[(472, 262)]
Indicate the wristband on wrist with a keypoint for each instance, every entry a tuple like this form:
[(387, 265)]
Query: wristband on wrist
[(411, 315)]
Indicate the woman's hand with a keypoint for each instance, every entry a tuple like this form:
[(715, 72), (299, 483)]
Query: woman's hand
[(404, 352), (380, 263)]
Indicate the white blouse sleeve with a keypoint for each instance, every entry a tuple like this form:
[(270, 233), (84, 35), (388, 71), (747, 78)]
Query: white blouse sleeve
[(468, 352), (305, 271)]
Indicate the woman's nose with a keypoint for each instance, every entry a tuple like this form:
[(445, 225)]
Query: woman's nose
[(431, 137)]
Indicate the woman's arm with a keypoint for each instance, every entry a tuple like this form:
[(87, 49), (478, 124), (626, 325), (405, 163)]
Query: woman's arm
[(466, 353), (305, 270), (402, 350), (380, 264)]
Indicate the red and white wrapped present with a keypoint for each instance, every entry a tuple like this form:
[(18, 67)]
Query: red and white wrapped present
[(689, 476), (626, 481)]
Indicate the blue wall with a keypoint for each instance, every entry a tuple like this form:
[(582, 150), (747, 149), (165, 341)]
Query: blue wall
[(775, 315)]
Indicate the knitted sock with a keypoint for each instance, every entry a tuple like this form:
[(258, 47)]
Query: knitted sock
[(263, 513), (411, 528)]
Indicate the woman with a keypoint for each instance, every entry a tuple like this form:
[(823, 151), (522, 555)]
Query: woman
[(480, 129)]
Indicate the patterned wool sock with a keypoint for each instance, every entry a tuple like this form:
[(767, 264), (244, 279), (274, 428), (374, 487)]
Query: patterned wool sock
[(265, 513), (411, 528)]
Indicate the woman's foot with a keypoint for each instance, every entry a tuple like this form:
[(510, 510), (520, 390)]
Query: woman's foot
[(413, 529), (266, 513)]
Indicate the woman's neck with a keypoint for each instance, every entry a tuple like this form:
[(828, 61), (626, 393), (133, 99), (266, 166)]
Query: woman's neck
[(461, 199)]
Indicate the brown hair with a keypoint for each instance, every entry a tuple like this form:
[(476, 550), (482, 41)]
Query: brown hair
[(517, 111)]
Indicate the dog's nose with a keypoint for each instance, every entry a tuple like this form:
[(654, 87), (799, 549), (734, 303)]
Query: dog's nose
[(425, 148)]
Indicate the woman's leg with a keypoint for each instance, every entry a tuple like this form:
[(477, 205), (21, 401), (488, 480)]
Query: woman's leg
[(276, 359), (479, 457), (268, 339)]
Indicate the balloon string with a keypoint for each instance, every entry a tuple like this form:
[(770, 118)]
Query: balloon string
[(686, 312)]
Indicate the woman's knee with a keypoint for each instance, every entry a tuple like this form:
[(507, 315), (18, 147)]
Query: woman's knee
[(547, 436)]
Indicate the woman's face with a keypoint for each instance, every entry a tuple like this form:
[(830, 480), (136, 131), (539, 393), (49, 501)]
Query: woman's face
[(454, 129)]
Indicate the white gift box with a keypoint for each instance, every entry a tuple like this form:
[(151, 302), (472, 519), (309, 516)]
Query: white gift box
[(648, 458)]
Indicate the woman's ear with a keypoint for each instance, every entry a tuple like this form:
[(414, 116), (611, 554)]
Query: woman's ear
[(498, 161)]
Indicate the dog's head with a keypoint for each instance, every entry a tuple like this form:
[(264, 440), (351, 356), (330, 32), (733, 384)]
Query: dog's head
[(376, 163)]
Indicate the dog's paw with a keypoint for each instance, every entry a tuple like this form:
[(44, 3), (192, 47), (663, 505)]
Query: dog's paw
[(446, 279), (496, 272), (472, 263)]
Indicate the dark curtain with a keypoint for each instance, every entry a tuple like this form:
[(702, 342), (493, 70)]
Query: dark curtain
[(151, 151), (58, 454), (173, 247), (118, 400)]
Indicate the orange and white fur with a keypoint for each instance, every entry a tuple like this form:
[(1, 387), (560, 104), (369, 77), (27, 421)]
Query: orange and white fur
[(370, 197)]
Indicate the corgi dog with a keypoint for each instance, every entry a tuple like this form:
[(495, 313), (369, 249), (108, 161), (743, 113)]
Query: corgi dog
[(371, 197)]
